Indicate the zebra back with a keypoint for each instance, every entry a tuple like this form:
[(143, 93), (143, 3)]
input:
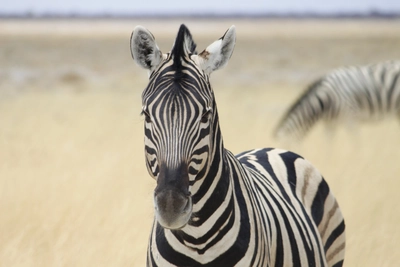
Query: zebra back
[(306, 111), (354, 93)]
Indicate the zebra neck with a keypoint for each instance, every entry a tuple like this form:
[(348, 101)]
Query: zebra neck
[(214, 188), (216, 219)]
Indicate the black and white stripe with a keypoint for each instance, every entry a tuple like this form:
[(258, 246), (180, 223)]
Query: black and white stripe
[(355, 93), (264, 207)]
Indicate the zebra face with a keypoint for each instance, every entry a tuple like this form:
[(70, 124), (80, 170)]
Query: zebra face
[(177, 145), (180, 115)]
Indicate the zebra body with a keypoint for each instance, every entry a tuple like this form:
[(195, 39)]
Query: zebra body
[(354, 93), (264, 207)]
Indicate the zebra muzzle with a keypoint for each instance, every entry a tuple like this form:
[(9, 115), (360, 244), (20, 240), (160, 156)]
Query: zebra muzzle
[(172, 209), (172, 200)]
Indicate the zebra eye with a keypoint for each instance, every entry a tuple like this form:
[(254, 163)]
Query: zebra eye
[(206, 116), (146, 116)]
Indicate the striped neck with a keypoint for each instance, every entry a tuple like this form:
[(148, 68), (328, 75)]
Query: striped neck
[(214, 187), (215, 227)]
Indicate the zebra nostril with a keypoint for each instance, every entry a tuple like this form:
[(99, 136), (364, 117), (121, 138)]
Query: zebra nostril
[(187, 208), (188, 205)]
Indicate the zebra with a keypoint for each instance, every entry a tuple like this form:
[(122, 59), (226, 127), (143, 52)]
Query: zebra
[(353, 93), (263, 207)]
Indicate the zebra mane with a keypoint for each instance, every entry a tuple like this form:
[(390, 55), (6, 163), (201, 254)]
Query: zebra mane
[(183, 46)]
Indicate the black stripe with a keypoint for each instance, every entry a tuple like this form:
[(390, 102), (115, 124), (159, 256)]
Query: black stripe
[(317, 207), (339, 230)]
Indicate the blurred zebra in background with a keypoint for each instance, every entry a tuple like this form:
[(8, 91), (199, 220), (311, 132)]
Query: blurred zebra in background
[(354, 93)]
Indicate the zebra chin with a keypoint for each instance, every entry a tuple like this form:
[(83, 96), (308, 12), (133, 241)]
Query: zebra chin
[(173, 209)]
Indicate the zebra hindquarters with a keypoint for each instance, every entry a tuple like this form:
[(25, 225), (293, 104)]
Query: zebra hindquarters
[(301, 187), (321, 205)]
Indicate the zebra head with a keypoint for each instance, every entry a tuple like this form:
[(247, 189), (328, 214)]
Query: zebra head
[(180, 117)]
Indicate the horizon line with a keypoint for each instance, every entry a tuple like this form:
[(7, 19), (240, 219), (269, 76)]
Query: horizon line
[(291, 14)]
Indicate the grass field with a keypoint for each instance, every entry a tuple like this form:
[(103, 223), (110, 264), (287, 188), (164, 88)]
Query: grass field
[(74, 190)]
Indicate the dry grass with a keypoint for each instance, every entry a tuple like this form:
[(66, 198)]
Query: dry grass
[(74, 190)]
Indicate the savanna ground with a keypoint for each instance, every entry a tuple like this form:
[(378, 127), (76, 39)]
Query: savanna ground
[(74, 190)]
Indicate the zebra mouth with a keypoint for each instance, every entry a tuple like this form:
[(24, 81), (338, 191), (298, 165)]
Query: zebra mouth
[(172, 209)]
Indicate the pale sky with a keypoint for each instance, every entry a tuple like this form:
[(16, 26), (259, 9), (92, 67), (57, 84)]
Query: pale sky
[(197, 6)]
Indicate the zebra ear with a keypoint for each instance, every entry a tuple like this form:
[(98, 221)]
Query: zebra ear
[(144, 49), (217, 54)]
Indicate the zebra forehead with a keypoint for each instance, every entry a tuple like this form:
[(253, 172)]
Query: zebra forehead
[(182, 91), (181, 102)]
